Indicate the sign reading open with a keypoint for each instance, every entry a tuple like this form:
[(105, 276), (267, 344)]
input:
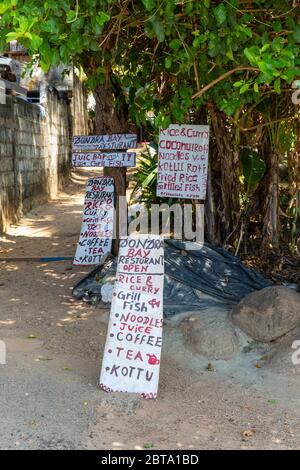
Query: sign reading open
[(132, 352)]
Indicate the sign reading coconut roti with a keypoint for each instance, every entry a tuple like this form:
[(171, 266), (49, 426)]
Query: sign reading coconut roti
[(183, 161), (96, 159), (132, 352), (104, 142), (97, 224)]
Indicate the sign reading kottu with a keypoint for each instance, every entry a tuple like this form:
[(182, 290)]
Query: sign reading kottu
[(97, 224), (96, 159), (183, 161), (132, 352), (104, 142)]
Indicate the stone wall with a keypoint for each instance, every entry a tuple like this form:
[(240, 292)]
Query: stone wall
[(34, 154)]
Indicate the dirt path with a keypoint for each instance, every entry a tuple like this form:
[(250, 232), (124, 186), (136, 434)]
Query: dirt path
[(48, 393)]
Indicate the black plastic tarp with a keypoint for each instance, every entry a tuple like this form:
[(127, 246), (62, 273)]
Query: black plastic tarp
[(195, 279)]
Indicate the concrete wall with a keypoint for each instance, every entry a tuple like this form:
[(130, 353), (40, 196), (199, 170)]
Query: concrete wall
[(79, 108), (34, 154)]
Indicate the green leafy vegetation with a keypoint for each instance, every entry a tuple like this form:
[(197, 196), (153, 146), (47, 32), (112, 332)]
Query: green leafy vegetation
[(230, 63)]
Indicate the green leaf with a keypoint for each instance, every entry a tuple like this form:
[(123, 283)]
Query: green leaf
[(253, 165), (220, 13), (50, 26), (102, 18), (244, 88), (168, 62), (265, 47), (265, 67), (197, 42), (36, 42), (297, 33), (277, 86), (175, 44), (252, 54), (158, 28), (185, 91), (148, 445), (149, 4), (71, 16), (13, 36)]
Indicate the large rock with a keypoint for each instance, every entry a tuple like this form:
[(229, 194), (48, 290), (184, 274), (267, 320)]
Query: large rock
[(269, 313), (210, 334)]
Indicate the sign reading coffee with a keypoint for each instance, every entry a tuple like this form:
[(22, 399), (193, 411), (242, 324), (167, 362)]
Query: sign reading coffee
[(97, 225), (132, 352)]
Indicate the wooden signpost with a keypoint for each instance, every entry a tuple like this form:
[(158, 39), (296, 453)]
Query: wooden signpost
[(183, 161), (97, 225), (132, 352)]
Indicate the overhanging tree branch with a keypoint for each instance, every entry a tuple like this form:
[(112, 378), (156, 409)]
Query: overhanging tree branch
[(220, 78)]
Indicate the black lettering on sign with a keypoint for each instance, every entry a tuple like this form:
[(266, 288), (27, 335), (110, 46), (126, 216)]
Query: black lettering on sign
[(134, 335), (97, 224), (183, 161), (104, 142)]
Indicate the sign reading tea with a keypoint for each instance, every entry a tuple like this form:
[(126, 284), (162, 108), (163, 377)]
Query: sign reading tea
[(183, 161), (132, 352), (104, 142), (96, 159), (97, 225)]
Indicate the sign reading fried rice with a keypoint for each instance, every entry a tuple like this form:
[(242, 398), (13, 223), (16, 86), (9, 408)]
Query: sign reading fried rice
[(97, 225), (183, 161), (132, 351)]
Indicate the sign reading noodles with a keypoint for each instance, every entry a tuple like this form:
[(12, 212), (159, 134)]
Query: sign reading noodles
[(97, 224), (132, 352), (183, 161)]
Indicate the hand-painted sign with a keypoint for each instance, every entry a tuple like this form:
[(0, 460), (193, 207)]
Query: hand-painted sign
[(133, 346), (96, 159), (183, 161), (97, 224), (104, 142)]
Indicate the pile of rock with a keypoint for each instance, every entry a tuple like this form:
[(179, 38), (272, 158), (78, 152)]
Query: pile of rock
[(265, 316)]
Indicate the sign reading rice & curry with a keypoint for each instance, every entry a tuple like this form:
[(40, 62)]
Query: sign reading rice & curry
[(97, 225), (183, 161), (132, 352)]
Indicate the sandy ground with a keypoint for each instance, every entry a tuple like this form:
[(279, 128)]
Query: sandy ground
[(48, 389)]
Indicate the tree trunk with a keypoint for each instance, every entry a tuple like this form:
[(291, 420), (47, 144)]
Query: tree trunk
[(109, 121), (225, 170), (271, 225)]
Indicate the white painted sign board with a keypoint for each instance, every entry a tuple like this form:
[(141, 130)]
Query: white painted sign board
[(96, 159), (104, 142), (97, 225), (132, 351), (183, 161)]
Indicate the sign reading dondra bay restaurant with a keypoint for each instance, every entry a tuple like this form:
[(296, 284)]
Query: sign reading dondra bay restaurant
[(97, 224), (132, 351), (104, 150), (183, 161)]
